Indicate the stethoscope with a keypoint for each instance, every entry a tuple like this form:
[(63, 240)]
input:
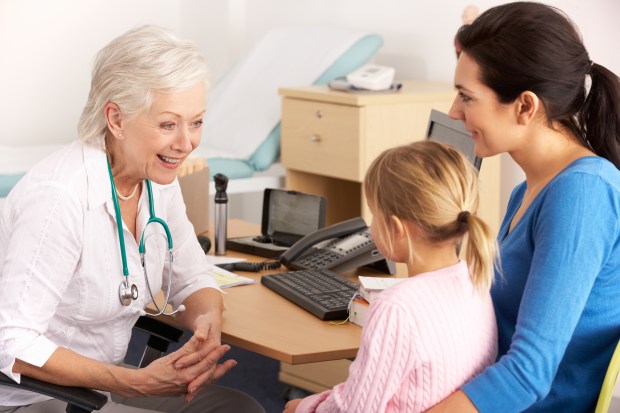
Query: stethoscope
[(129, 292)]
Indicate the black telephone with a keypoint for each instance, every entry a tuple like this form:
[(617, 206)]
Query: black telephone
[(339, 247)]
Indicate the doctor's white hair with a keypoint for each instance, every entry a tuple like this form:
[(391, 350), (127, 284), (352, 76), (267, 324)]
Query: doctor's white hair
[(131, 68)]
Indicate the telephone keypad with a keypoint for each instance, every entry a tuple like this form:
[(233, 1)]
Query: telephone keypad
[(319, 259)]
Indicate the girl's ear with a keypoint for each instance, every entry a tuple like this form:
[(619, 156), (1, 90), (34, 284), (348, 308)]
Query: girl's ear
[(114, 119), (397, 227)]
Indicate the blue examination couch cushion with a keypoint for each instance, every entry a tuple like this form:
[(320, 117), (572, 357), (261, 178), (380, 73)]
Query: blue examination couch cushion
[(7, 182)]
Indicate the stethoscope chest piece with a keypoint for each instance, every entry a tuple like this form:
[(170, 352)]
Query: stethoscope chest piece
[(127, 292)]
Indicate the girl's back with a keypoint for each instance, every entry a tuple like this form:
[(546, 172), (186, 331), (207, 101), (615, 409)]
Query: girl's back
[(434, 330)]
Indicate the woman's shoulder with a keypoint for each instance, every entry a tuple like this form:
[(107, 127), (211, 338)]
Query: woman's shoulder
[(63, 169), (592, 166), (591, 173), (61, 162)]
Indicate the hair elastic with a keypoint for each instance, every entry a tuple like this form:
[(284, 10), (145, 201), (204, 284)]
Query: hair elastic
[(463, 217)]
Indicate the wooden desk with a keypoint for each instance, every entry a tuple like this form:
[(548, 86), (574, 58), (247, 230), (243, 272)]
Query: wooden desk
[(260, 320), (314, 354)]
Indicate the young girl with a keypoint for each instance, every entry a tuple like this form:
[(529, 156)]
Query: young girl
[(428, 335)]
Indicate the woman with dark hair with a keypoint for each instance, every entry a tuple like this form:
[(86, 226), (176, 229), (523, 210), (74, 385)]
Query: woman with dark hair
[(527, 86)]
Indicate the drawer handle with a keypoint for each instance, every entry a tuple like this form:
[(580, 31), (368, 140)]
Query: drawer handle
[(314, 138)]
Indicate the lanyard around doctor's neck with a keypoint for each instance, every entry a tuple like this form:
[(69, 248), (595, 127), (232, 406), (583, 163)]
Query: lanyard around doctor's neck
[(119, 222)]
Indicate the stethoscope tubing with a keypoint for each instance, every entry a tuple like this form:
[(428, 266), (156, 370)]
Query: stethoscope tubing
[(141, 249)]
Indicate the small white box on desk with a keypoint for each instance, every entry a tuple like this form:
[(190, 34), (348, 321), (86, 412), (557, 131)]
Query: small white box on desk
[(358, 313), (371, 286)]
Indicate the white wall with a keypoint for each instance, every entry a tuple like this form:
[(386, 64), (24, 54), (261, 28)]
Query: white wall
[(47, 50), (418, 35), (47, 46)]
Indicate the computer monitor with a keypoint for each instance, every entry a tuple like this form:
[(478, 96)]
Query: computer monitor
[(452, 132)]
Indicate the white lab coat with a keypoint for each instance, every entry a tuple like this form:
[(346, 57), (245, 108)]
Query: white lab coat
[(60, 263)]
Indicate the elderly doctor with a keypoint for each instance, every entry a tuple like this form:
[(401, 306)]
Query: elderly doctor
[(73, 231)]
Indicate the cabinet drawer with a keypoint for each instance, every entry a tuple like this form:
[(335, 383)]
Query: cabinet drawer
[(322, 138)]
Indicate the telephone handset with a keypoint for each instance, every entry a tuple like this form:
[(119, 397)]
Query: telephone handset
[(339, 247)]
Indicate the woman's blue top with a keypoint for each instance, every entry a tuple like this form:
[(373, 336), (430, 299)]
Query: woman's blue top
[(557, 299)]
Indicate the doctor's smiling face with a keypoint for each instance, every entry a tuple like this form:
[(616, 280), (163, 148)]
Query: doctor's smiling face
[(490, 122), (153, 144)]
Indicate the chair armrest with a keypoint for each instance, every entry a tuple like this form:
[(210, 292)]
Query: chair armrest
[(86, 400), (77, 396), (161, 335), (159, 330)]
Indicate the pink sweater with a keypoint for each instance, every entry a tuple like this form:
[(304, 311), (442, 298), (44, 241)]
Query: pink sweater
[(423, 339)]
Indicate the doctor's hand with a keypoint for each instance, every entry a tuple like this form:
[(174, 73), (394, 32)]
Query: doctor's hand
[(207, 336), (166, 377), (206, 340)]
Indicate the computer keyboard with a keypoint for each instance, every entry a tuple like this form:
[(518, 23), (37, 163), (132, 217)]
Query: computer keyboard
[(321, 292)]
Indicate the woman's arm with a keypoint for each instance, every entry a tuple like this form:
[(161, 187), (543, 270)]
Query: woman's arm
[(549, 272), (457, 402), (195, 287), (160, 378), (206, 301), (203, 316), (191, 268), (42, 239)]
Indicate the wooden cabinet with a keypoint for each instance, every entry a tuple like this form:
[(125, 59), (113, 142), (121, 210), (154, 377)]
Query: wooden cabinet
[(329, 138), (323, 138)]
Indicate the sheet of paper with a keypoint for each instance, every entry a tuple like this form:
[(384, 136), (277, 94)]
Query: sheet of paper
[(222, 259), (226, 279), (378, 283)]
